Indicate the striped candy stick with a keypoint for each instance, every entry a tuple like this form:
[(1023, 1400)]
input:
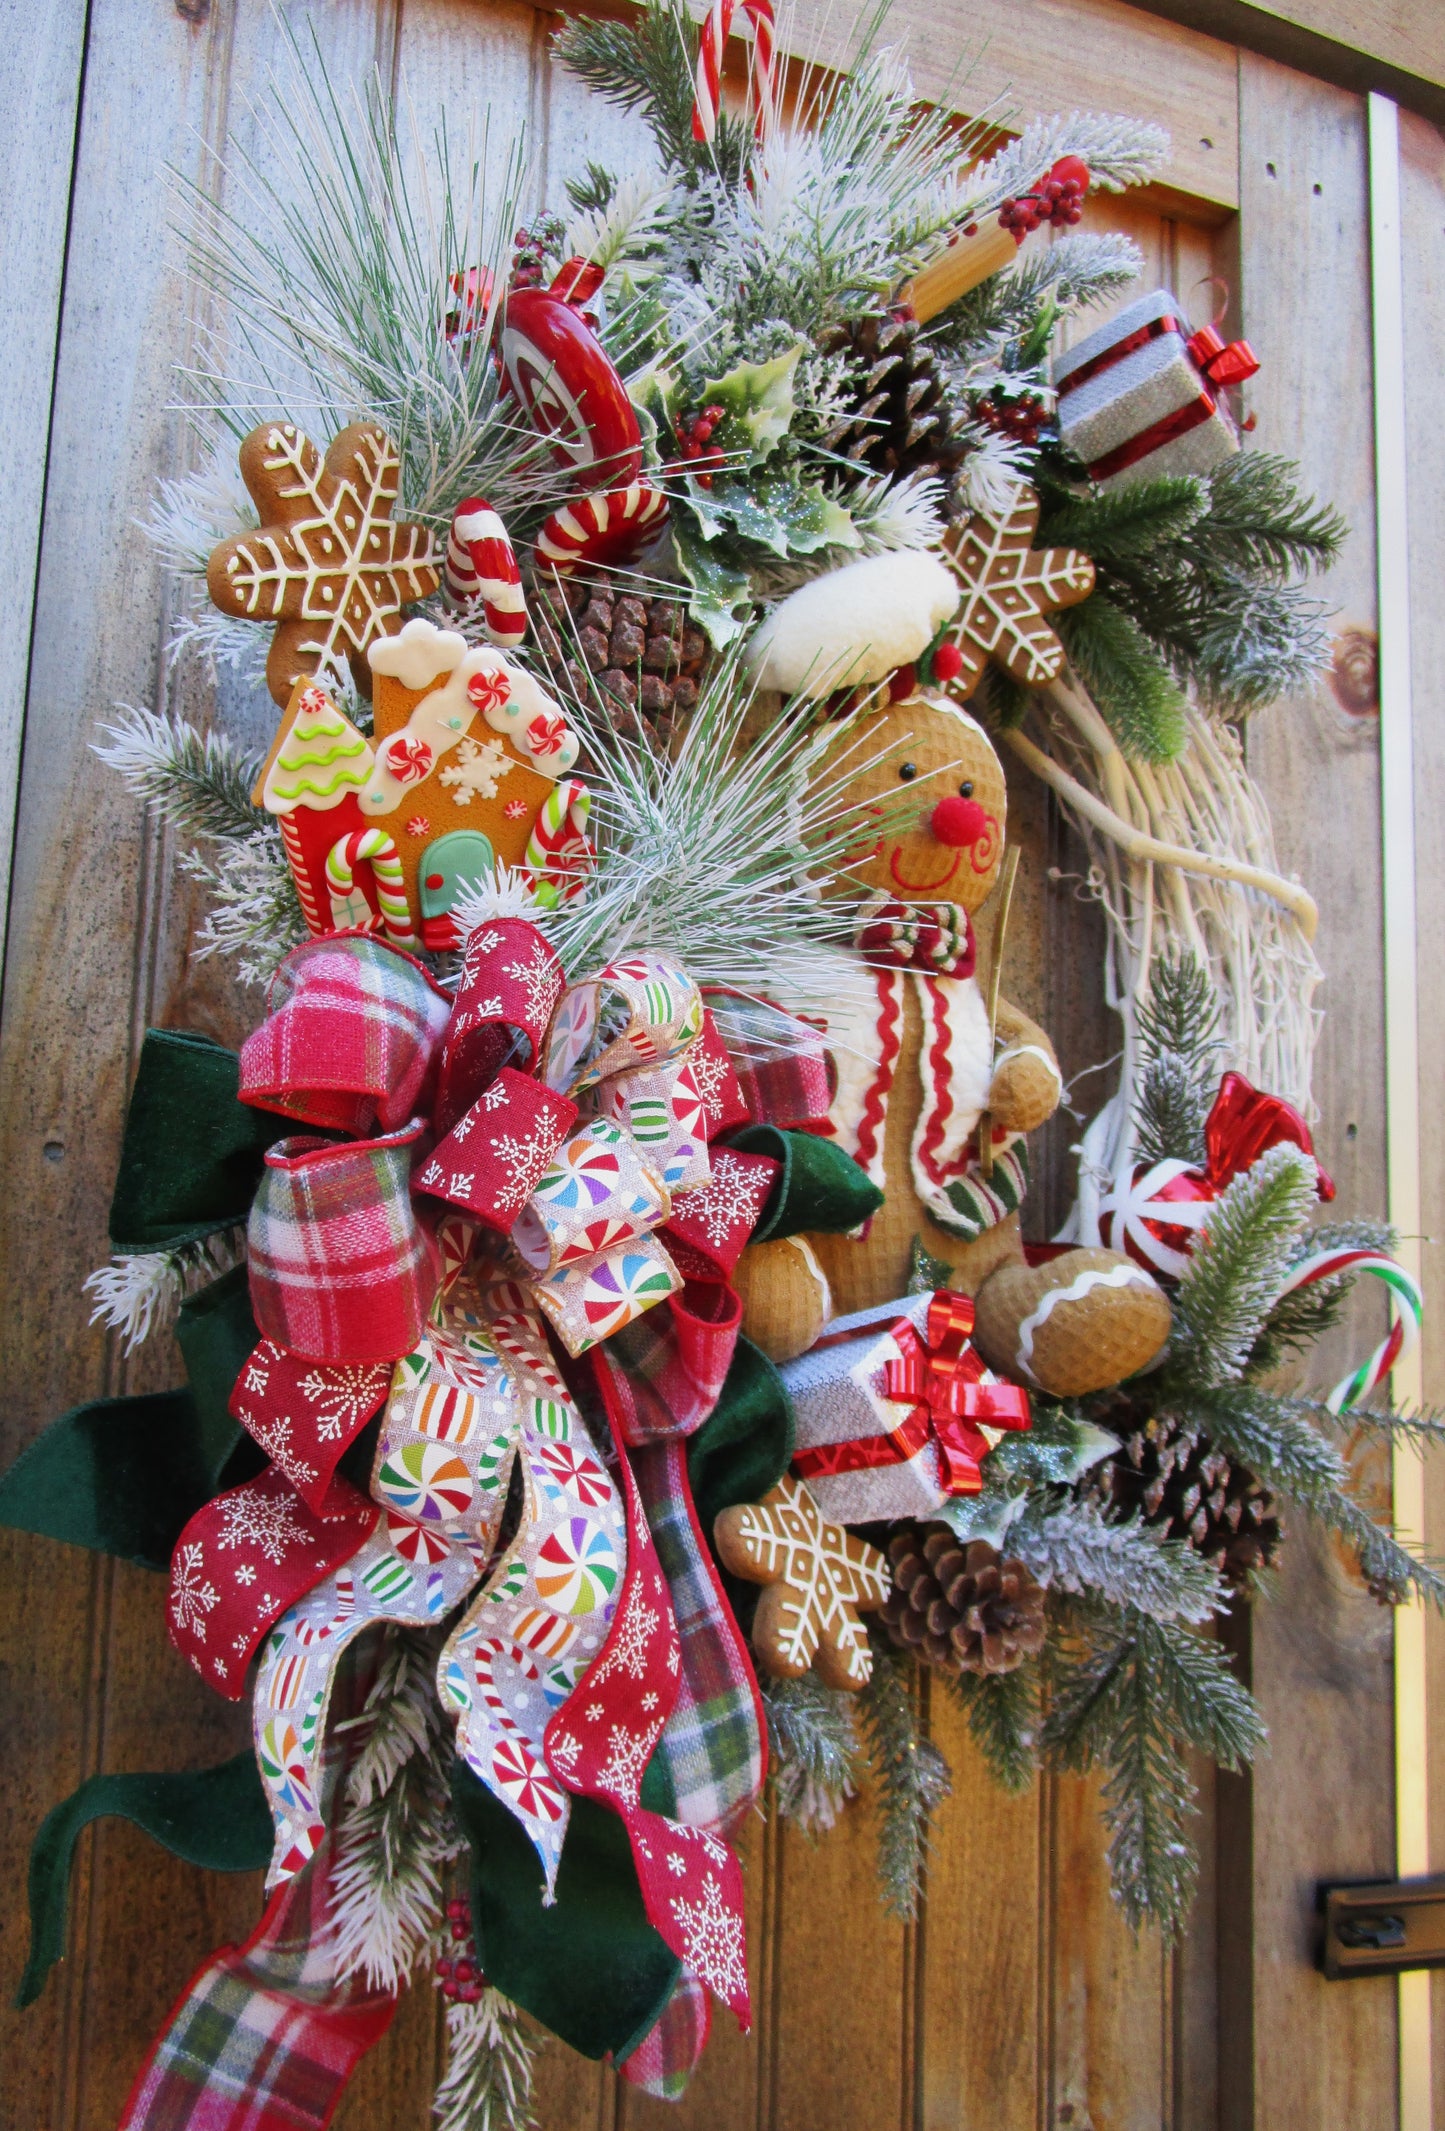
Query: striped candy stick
[(1407, 1306), (711, 44), (374, 847), (558, 853), (601, 529), (481, 565)]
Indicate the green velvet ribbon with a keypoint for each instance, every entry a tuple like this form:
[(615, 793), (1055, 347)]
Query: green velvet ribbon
[(193, 1153), (124, 1476), (743, 1447), (591, 1968), (820, 1189), (217, 1818)]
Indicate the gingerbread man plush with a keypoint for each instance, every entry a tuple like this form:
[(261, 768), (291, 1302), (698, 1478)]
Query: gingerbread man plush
[(921, 1074)]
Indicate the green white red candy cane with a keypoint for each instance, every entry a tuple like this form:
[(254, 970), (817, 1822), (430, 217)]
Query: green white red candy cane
[(375, 848), (1407, 1306), (558, 853)]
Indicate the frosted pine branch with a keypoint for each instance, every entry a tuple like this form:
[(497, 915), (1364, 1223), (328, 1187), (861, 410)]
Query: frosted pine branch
[(1072, 1547), (1239, 1266), (912, 1778), (1119, 152), (814, 1754), (487, 2085), (199, 783), (141, 1292), (627, 229), (255, 917), (394, 1831)]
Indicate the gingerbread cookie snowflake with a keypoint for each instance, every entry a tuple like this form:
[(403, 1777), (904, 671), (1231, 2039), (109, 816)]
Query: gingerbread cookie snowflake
[(1008, 587), (328, 564), (818, 1578)]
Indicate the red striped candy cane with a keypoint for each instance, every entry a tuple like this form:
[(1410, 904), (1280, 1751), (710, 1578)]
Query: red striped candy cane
[(1407, 1309), (711, 45), (480, 564), (375, 848), (558, 853)]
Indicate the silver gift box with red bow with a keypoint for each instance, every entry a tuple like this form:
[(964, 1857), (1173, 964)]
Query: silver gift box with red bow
[(895, 1411), (1145, 395)]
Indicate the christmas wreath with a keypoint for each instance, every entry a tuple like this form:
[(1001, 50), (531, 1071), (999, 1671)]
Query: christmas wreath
[(608, 1376)]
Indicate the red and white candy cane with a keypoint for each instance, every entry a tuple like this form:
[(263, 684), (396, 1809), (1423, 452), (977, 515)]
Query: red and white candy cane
[(1407, 1307), (375, 848), (558, 853), (601, 530), (480, 564), (711, 45)]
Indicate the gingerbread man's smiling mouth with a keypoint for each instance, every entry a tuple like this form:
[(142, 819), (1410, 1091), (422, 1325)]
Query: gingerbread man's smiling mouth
[(921, 887)]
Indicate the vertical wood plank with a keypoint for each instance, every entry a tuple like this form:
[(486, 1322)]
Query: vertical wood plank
[(1321, 1654), (1422, 179), (981, 1979), (42, 59)]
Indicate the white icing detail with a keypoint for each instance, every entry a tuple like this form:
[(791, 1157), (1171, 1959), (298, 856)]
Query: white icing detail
[(825, 1293), (418, 653), (1030, 1050), (526, 715), (1119, 1276)]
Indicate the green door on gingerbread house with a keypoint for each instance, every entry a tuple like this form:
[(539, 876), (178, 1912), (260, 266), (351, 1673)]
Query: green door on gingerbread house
[(461, 859)]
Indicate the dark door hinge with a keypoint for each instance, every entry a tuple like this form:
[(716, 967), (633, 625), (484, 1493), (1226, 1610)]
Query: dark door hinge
[(1382, 1926)]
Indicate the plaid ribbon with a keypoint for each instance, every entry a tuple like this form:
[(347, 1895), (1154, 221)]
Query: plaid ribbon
[(669, 2053), (350, 1039), (714, 1742), (265, 2036), (666, 1370), (783, 1070), (341, 1269)]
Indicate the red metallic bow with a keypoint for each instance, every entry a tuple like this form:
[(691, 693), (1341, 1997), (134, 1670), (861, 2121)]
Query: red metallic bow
[(1222, 363), (1244, 1124), (940, 1375)]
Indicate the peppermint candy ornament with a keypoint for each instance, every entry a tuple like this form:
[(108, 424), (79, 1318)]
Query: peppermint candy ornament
[(601, 531), (559, 371)]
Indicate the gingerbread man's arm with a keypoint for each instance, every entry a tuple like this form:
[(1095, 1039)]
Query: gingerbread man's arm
[(1027, 1085)]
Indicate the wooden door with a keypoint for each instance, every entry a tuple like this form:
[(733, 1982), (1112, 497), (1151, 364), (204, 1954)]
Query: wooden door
[(1019, 2000)]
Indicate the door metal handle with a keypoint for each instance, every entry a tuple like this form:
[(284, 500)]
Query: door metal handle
[(1382, 1927)]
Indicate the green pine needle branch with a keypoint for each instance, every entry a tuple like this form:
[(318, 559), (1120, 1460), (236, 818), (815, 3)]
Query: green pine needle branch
[(1238, 1268), (911, 1774), (815, 1757), (1179, 1043), (1003, 1720)]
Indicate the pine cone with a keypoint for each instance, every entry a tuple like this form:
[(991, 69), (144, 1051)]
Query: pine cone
[(960, 1608), (1187, 1489), (615, 646), (898, 418)]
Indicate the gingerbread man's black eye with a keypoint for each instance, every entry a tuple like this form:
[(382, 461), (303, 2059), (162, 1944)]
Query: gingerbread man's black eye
[(908, 771), (966, 788)]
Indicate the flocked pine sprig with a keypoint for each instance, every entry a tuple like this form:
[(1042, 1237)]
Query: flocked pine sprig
[(199, 783), (1069, 1545), (814, 1753), (1074, 271), (1120, 152), (1179, 1045), (1003, 1720), (1129, 1695), (487, 2084), (140, 1292), (911, 1775), (394, 1828), (1238, 1267), (1280, 1438), (255, 916)]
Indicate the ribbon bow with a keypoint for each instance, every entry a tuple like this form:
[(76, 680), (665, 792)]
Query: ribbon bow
[(1223, 363), (950, 1393)]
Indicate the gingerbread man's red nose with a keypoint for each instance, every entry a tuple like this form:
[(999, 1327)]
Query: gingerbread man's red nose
[(958, 822)]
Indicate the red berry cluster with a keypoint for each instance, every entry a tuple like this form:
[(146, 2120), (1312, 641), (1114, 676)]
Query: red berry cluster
[(460, 1974), (1021, 415), (533, 248), (694, 441), (1058, 198)]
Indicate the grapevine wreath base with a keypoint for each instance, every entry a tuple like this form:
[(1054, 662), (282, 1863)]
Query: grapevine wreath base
[(611, 1362)]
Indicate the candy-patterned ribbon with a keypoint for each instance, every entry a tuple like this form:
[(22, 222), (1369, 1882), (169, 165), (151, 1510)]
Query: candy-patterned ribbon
[(1407, 1309)]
